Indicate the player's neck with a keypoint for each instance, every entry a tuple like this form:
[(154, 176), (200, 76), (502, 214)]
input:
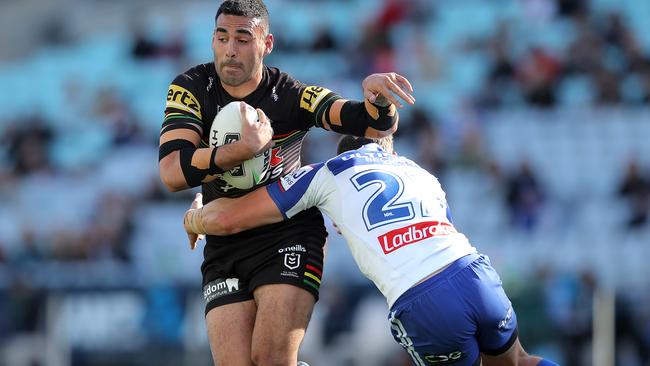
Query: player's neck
[(243, 90)]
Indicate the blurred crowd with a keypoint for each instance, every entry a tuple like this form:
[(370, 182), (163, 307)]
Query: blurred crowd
[(599, 60)]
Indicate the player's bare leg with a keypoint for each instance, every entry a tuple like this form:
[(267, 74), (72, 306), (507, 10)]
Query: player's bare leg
[(515, 356), (283, 312), (230, 329)]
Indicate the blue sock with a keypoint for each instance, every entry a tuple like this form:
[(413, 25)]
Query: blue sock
[(547, 363)]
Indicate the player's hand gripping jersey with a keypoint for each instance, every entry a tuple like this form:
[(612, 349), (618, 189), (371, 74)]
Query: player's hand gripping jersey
[(396, 237)]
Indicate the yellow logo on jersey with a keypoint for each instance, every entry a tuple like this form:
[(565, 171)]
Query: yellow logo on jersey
[(312, 96), (180, 98)]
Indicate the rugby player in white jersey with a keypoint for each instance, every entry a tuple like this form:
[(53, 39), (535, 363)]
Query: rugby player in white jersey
[(446, 302)]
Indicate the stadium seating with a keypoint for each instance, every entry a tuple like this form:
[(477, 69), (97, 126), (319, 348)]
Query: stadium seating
[(578, 150)]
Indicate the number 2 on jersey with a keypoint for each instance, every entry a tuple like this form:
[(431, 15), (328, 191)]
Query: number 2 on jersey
[(382, 207)]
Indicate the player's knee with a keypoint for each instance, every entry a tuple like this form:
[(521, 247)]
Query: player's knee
[(270, 360), (272, 355)]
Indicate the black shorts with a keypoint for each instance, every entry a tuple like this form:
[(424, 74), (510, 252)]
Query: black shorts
[(287, 254)]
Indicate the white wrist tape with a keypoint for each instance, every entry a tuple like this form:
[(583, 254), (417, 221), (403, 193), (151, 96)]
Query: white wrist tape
[(194, 219)]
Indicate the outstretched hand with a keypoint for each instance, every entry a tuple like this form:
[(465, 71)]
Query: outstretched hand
[(189, 220), (384, 88)]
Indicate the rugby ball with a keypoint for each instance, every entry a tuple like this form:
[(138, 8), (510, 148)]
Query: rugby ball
[(226, 128)]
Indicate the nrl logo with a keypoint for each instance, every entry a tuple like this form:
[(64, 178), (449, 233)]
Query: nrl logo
[(292, 260)]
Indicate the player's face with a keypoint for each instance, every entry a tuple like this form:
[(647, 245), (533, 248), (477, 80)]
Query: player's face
[(239, 44)]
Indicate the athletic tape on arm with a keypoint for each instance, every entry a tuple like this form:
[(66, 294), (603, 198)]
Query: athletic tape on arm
[(356, 117), (383, 117), (194, 175)]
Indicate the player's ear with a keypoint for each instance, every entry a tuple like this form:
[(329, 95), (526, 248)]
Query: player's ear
[(268, 44)]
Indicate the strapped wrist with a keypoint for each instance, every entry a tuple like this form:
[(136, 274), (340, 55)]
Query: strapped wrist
[(214, 168), (383, 118), (196, 174), (380, 101), (194, 221)]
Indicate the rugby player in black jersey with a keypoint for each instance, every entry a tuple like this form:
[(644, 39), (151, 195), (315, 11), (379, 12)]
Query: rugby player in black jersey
[(259, 298)]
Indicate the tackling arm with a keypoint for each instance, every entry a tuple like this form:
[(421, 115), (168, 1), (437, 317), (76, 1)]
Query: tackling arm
[(227, 216), (266, 205)]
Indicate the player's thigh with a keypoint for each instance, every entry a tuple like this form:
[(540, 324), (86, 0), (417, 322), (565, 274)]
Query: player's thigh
[(496, 318), (434, 322), (436, 328), (230, 330), (283, 312)]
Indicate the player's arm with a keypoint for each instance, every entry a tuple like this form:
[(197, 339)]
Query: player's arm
[(227, 216), (374, 117), (183, 164), (273, 203)]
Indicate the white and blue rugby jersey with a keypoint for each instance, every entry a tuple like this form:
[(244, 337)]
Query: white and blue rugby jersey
[(392, 213)]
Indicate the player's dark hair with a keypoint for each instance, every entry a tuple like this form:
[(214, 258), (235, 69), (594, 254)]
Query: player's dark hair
[(244, 8), (349, 142)]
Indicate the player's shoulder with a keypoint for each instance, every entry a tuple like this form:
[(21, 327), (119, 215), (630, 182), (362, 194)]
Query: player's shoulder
[(341, 162), (305, 173), (188, 90), (351, 158), (281, 79), (200, 76), (296, 184), (308, 97)]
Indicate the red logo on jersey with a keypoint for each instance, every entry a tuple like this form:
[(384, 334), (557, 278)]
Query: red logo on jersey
[(275, 165), (275, 158), (404, 236)]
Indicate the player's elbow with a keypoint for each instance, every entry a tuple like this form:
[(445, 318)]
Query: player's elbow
[(171, 184), (170, 176), (387, 127), (377, 134)]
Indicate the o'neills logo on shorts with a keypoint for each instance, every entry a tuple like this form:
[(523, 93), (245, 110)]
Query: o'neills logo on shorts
[(293, 248), (401, 237)]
